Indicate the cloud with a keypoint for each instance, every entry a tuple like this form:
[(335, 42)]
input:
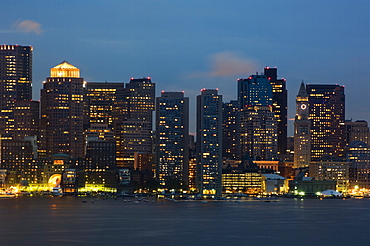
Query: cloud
[(28, 26), (228, 63)]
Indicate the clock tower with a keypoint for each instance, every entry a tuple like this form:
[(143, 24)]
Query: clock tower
[(302, 130)]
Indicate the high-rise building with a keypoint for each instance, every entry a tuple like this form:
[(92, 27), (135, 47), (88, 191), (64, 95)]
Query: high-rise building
[(279, 106), (61, 112), (15, 83), (327, 115), (134, 130), (230, 130), (172, 137), (258, 124), (302, 130), (209, 142)]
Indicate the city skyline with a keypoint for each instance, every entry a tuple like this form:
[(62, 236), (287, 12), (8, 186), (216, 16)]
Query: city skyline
[(184, 45)]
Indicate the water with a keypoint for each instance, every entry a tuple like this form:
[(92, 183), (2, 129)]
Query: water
[(68, 221)]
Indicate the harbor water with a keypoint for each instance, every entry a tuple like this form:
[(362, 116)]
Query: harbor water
[(90, 221)]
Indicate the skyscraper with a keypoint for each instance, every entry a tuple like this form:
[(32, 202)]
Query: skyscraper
[(62, 112), (209, 142), (279, 106), (135, 128), (172, 137), (15, 83), (258, 124), (327, 114), (302, 130), (230, 130)]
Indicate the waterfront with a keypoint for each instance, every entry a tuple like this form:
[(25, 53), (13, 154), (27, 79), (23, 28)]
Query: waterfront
[(70, 221)]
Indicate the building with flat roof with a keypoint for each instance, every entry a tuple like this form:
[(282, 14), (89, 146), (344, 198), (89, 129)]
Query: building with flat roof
[(172, 137), (15, 83), (327, 115), (209, 142)]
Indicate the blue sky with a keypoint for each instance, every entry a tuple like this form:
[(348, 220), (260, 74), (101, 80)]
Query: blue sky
[(190, 45)]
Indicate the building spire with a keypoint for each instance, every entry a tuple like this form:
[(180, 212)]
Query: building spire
[(302, 90)]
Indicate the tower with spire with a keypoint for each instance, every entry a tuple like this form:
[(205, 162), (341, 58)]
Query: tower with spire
[(302, 130)]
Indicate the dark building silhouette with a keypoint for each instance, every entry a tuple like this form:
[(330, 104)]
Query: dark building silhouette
[(279, 106), (15, 83), (230, 130)]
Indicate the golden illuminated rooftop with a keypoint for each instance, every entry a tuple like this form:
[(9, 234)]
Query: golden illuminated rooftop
[(64, 70)]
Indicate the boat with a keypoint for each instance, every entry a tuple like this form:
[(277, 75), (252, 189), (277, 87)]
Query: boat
[(7, 195), (56, 191)]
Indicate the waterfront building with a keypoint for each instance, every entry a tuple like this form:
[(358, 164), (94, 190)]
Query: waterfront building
[(61, 112), (19, 157), (242, 181), (134, 129), (358, 157), (172, 136), (302, 130), (15, 83), (258, 124), (331, 169), (209, 142), (327, 115), (357, 131), (58, 167), (279, 107), (309, 187), (274, 184)]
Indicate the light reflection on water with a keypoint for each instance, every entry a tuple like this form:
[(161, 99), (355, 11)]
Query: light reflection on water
[(61, 221)]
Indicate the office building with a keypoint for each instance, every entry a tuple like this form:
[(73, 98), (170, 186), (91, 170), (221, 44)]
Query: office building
[(279, 107), (134, 130), (172, 137), (230, 130), (61, 112), (302, 130), (19, 157), (331, 169), (358, 157), (327, 115), (15, 83), (209, 142), (258, 124)]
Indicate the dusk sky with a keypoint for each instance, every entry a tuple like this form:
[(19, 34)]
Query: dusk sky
[(190, 45)]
